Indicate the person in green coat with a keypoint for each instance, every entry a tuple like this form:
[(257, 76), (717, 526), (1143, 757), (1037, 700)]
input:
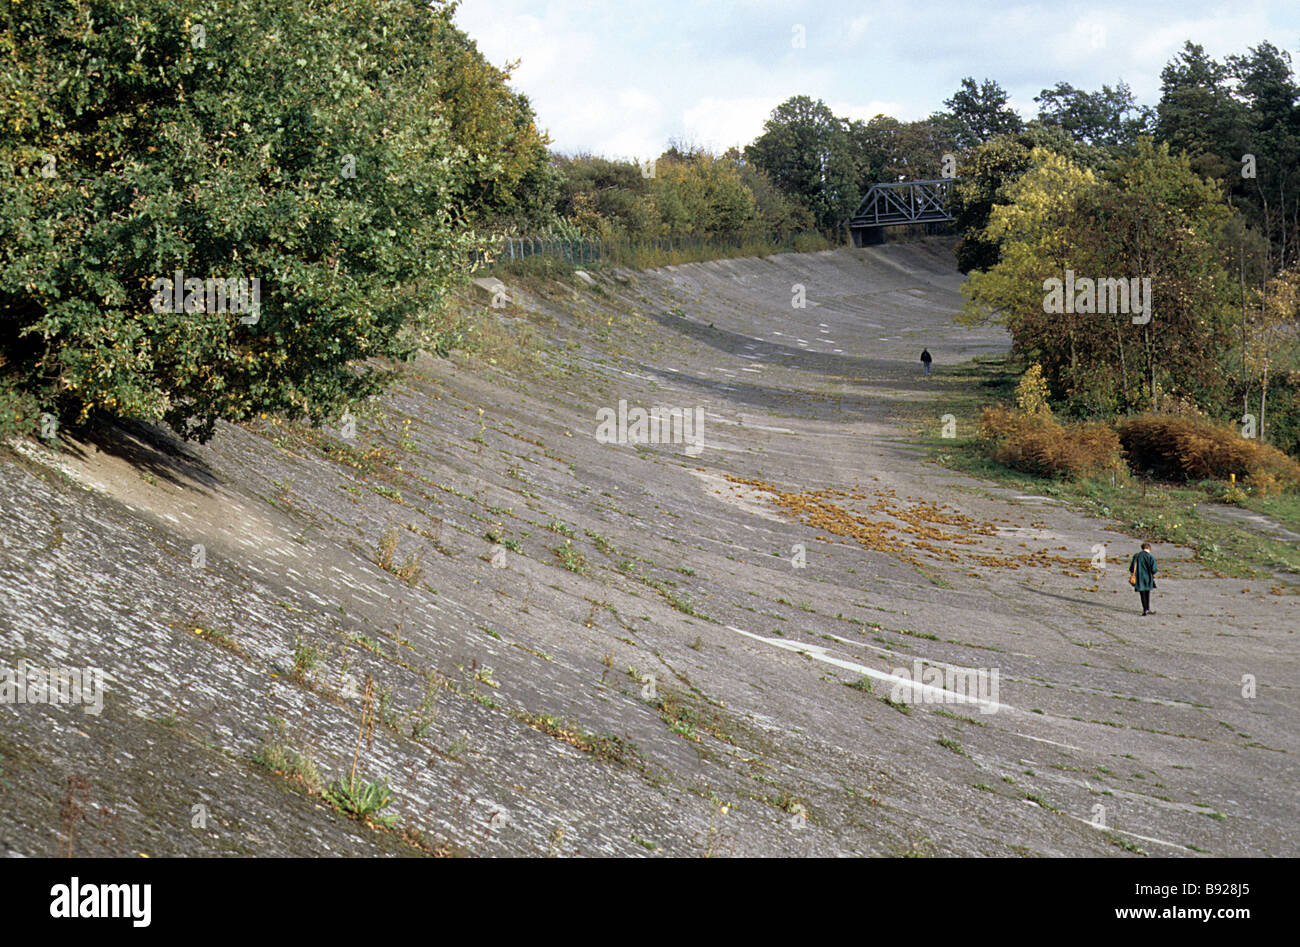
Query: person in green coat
[(1142, 567)]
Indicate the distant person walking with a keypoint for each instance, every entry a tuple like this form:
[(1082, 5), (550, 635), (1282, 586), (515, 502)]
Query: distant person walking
[(926, 359), (1142, 576)]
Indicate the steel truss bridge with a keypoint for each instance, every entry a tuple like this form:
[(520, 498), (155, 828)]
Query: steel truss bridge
[(903, 202)]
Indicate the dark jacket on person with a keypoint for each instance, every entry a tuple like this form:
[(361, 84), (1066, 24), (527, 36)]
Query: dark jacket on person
[(1144, 566), (925, 356)]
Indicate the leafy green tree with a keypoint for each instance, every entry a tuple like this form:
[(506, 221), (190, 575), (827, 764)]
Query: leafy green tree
[(886, 150), (509, 175), (1239, 122), (307, 146), (1032, 230), (702, 195), (806, 151), (775, 212), (1272, 99), (980, 112), (1273, 325), (1245, 254), (1198, 114), (686, 191), (1109, 118), (1267, 85), (613, 198), (1163, 220)]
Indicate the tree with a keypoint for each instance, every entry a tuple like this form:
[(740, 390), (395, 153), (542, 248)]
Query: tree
[(987, 170), (1161, 220), (1273, 329), (1110, 118), (885, 149), (611, 198), (308, 147), (775, 212), (1270, 94), (1033, 233), (805, 149), (1239, 122), (504, 151), (981, 112), (702, 195), (1266, 85), (1197, 113), (1245, 256), (1150, 218)]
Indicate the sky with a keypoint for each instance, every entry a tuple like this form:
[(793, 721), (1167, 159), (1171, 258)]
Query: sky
[(620, 79)]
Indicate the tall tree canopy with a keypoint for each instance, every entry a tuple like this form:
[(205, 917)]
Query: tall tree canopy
[(886, 149), (980, 112), (806, 151), (1109, 118), (1199, 115)]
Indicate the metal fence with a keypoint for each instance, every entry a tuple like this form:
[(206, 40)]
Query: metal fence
[(582, 250), (579, 251)]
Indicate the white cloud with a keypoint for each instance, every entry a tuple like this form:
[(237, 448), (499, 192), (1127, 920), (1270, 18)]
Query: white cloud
[(641, 104), (719, 123), (1025, 109), (870, 110), (607, 126), (858, 27), (1149, 49), (624, 79)]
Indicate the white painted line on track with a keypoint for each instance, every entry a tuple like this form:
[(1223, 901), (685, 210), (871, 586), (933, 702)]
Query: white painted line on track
[(1067, 746), (1145, 838), (818, 653)]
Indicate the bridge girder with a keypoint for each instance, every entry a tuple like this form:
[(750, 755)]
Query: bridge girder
[(904, 202)]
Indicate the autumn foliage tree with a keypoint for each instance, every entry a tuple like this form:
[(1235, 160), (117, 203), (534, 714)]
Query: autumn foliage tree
[(1149, 218)]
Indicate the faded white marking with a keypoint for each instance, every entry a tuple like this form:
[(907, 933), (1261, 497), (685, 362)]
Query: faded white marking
[(818, 653)]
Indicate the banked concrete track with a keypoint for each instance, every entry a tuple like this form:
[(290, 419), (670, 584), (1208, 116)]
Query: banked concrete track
[(803, 548)]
